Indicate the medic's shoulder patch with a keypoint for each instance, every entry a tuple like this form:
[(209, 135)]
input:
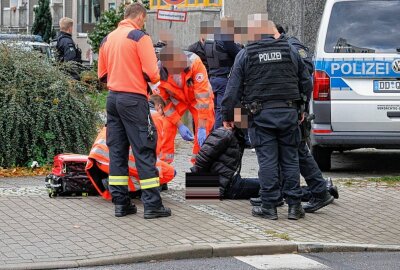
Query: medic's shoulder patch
[(303, 53), (199, 77)]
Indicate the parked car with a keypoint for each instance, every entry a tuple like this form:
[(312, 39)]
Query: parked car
[(27, 42), (356, 99)]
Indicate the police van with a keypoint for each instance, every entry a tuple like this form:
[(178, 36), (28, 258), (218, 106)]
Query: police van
[(356, 98)]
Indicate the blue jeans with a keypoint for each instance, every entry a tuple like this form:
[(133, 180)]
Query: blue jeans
[(218, 85)]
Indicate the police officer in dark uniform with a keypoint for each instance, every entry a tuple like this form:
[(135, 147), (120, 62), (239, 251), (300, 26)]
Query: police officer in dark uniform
[(268, 77), (66, 47), (308, 167), (221, 53)]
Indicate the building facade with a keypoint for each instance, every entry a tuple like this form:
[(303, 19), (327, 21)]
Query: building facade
[(300, 17)]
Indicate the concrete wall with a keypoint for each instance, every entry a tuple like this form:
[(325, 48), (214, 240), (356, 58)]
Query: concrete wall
[(185, 33), (241, 9), (300, 17)]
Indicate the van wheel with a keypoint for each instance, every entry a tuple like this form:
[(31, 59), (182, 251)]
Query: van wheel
[(322, 156)]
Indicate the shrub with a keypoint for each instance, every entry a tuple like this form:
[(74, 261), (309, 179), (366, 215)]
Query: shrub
[(43, 111)]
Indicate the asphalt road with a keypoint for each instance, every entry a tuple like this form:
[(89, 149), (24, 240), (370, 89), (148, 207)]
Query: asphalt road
[(365, 163), (335, 261)]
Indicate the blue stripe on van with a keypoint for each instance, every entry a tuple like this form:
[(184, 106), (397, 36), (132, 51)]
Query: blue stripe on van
[(339, 83), (358, 68)]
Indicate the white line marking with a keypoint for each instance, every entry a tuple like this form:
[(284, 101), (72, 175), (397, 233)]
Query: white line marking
[(282, 261)]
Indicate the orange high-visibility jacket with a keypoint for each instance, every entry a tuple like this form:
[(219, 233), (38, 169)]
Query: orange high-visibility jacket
[(125, 54), (190, 90), (97, 167)]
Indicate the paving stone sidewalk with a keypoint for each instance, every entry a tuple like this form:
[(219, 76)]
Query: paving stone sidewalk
[(35, 228)]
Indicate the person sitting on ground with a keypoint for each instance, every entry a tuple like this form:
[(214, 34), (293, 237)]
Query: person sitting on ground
[(222, 154)]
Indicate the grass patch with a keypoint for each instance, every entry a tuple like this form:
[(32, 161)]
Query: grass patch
[(273, 233), (348, 183), (99, 99), (389, 180)]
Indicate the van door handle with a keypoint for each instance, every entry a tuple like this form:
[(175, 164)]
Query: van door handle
[(393, 114)]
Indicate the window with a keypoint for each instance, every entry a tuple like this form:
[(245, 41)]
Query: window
[(364, 27), (89, 12)]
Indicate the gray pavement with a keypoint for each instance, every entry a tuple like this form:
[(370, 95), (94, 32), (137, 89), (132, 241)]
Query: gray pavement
[(37, 229)]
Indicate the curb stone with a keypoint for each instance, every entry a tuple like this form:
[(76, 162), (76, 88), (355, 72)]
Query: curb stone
[(314, 247), (208, 251)]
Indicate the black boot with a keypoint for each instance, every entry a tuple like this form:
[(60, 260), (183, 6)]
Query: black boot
[(125, 209), (157, 213), (317, 203), (331, 188), (257, 202), (295, 211), (267, 212)]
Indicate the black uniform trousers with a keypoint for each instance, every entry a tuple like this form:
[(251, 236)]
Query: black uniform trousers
[(275, 136), (128, 125), (310, 171)]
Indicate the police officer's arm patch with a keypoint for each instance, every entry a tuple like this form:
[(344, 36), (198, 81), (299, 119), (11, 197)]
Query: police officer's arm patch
[(303, 53)]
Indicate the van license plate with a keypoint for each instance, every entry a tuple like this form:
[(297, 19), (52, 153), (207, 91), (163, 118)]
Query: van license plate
[(386, 86)]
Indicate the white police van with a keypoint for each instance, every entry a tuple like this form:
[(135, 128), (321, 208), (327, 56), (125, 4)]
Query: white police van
[(356, 99)]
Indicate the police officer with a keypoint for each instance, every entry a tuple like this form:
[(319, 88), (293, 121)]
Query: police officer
[(66, 47), (221, 53), (126, 57), (269, 77), (308, 167)]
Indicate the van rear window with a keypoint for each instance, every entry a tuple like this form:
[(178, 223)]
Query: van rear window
[(364, 27)]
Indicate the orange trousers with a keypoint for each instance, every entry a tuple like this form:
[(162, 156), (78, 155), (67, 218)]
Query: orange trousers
[(169, 134)]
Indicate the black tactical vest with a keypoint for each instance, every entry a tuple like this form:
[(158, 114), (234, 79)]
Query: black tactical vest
[(270, 73), (216, 56)]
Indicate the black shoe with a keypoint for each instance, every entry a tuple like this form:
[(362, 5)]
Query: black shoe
[(265, 212), (333, 190), (124, 210), (157, 213), (257, 202), (317, 203), (296, 211), (164, 187)]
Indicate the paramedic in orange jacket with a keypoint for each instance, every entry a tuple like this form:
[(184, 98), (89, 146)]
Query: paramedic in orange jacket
[(126, 57), (97, 168), (184, 86)]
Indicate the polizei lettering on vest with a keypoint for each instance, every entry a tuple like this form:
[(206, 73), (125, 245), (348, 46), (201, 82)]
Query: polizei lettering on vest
[(270, 57), (360, 68)]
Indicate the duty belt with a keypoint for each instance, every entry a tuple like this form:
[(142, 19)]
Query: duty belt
[(256, 106), (279, 104)]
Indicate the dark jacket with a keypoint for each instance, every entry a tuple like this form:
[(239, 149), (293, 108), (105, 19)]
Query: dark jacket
[(66, 49), (221, 154), (198, 48)]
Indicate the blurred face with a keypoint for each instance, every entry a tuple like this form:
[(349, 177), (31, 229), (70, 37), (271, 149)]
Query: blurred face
[(174, 60)]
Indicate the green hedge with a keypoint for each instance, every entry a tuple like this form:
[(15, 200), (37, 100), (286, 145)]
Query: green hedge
[(43, 111)]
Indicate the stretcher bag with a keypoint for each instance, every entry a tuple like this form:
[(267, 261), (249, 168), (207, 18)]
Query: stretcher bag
[(68, 177)]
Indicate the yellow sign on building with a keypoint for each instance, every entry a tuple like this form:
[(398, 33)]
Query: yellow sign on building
[(158, 4)]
